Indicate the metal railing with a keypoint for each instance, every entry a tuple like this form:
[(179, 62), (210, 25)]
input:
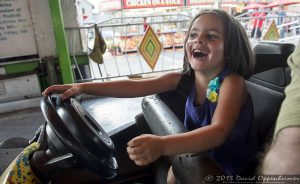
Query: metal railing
[(288, 25), (123, 36)]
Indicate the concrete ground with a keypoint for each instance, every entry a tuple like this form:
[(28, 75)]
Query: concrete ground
[(20, 123)]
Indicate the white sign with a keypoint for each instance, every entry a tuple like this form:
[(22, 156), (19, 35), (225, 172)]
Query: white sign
[(17, 36)]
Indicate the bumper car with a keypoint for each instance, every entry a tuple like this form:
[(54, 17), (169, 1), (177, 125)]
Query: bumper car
[(71, 147)]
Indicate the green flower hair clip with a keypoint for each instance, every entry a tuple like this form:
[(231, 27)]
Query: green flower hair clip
[(211, 93)]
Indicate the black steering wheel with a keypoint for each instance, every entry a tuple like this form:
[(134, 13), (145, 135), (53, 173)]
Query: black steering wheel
[(74, 136)]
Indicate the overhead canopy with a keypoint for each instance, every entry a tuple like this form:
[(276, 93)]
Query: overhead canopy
[(254, 6), (283, 2)]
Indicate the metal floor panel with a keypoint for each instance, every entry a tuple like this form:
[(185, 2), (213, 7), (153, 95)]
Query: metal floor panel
[(112, 113)]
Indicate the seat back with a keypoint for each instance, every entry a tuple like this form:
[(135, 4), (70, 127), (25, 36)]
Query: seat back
[(267, 86)]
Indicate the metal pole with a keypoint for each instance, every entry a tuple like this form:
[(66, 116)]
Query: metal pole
[(61, 42), (218, 4)]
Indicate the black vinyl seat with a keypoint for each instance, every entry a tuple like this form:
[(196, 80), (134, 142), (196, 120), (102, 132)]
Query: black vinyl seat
[(164, 112), (266, 87)]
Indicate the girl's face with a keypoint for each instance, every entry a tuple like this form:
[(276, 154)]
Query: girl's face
[(205, 44)]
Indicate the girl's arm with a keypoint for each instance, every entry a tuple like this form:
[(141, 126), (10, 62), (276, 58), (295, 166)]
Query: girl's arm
[(121, 88), (232, 96), (147, 148)]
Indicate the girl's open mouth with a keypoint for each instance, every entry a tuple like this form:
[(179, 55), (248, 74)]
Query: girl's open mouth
[(199, 54)]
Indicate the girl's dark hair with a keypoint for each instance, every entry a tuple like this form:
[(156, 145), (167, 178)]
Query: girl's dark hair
[(238, 54)]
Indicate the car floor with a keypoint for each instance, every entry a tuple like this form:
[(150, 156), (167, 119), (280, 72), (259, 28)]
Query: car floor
[(109, 112)]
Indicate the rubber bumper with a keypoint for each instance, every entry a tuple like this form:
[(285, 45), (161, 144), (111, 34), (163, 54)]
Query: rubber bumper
[(188, 168)]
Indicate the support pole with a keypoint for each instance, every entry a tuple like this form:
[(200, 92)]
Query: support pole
[(61, 42), (218, 4)]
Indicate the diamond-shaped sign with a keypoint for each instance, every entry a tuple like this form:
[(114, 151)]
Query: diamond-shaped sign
[(150, 47)]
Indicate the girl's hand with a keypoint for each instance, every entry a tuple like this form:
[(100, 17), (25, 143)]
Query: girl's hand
[(144, 149), (67, 90)]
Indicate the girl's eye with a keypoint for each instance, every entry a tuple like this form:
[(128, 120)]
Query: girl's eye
[(193, 35), (211, 36)]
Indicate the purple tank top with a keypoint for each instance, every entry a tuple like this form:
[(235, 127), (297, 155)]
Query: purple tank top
[(240, 147)]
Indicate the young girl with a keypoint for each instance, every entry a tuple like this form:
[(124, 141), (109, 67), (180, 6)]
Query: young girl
[(219, 109)]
